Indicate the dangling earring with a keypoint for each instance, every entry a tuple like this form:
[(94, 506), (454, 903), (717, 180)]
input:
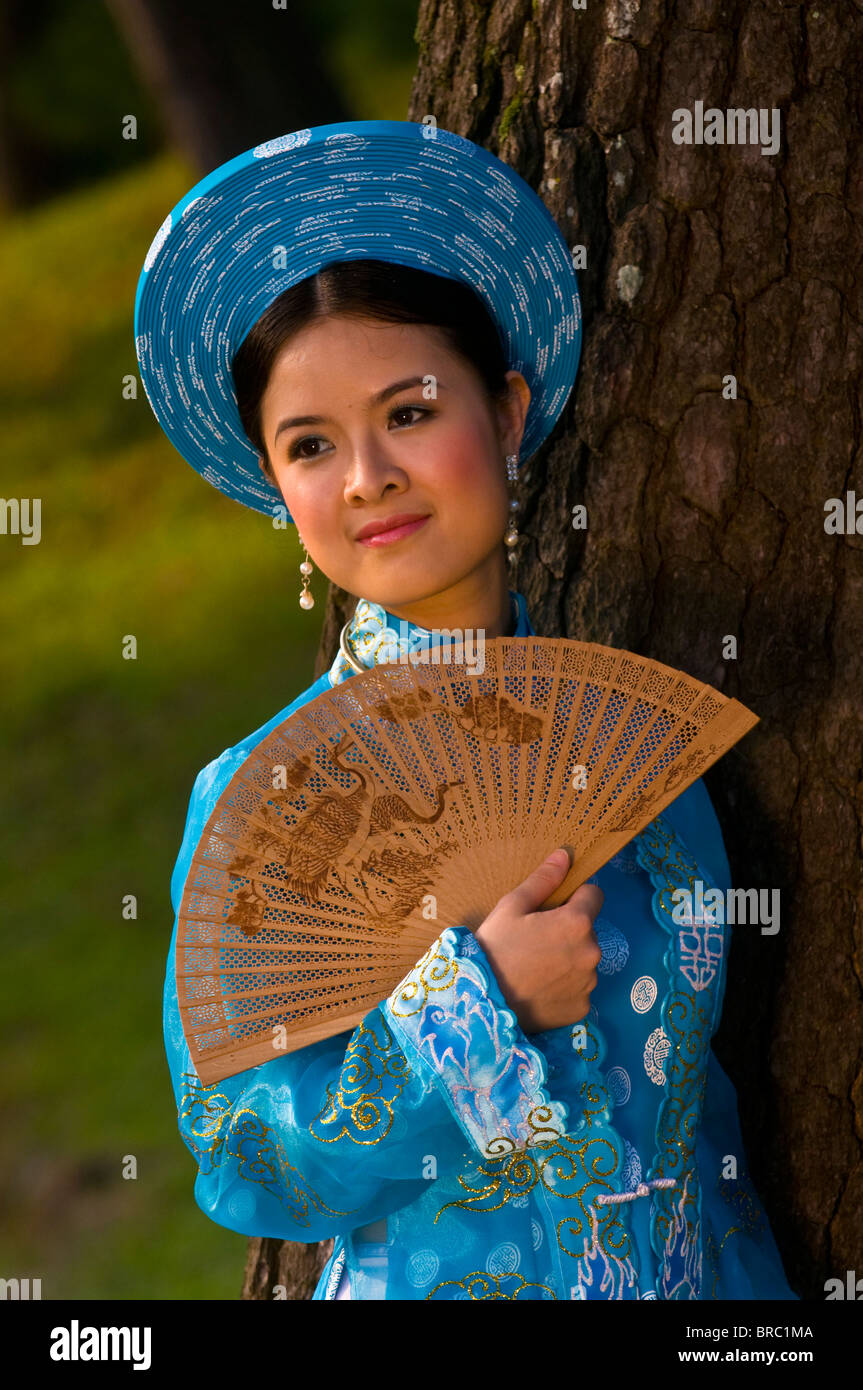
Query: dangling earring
[(307, 598), (511, 537)]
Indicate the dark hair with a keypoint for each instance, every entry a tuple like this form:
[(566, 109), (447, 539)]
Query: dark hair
[(367, 289)]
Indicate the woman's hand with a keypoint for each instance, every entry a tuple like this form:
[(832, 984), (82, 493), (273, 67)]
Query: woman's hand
[(544, 961)]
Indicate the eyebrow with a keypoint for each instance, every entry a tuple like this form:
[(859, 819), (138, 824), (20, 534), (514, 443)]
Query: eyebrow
[(377, 399)]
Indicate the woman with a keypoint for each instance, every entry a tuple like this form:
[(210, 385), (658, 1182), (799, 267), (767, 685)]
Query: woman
[(535, 1112)]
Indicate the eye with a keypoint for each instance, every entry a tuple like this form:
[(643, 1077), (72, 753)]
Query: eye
[(406, 410), (294, 451)]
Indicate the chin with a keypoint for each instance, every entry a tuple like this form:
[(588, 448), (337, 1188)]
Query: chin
[(414, 587), (393, 580), (392, 597)]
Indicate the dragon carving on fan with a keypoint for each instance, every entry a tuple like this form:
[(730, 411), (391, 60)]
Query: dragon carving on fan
[(347, 827)]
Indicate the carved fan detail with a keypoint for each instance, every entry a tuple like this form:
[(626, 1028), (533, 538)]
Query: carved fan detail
[(411, 798)]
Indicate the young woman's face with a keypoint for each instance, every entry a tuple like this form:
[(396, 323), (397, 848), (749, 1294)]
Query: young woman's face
[(374, 452)]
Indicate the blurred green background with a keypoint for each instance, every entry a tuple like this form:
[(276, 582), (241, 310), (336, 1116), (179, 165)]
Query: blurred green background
[(99, 753)]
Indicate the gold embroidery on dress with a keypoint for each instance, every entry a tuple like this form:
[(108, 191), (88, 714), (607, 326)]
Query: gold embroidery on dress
[(714, 1253), (736, 1192), (595, 1101), (489, 1286), (242, 1134), (436, 971), (579, 1161), (208, 1115), (510, 1170), (586, 1029), (542, 1123), (675, 1219), (358, 1108)]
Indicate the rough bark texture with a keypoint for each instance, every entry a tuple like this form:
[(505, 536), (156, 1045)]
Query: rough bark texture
[(283, 1269), (706, 514)]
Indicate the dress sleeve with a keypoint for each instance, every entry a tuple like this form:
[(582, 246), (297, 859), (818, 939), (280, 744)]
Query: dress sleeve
[(341, 1133)]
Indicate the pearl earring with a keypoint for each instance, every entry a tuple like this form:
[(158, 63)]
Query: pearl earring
[(307, 598), (511, 537)]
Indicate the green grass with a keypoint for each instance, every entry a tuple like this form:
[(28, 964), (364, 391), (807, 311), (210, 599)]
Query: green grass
[(99, 753)]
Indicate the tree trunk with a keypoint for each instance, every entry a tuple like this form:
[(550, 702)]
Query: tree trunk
[(706, 502), (283, 1268)]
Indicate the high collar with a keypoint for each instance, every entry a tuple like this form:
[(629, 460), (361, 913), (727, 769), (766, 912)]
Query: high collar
[(377, 636)]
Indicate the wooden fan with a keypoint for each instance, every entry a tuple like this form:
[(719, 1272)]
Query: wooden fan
[(410, 798)]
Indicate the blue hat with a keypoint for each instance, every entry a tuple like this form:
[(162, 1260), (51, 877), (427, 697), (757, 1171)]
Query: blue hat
[(382, 190)]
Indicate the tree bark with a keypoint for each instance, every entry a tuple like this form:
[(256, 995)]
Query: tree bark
[(283, 1268), (706, 511)]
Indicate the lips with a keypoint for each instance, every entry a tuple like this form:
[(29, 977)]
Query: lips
[(403, 522)]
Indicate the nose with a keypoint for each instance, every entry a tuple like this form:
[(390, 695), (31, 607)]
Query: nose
[(373, 473)]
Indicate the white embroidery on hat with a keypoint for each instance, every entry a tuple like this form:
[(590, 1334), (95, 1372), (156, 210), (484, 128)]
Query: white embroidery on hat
[(157, 243), (295, 140)]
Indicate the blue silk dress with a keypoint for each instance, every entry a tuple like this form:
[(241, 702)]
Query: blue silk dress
[(453, 1156)]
